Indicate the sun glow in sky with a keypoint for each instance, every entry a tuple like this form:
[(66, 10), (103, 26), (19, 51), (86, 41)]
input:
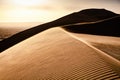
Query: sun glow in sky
[(48, 10), (24, 11), (28, 2)]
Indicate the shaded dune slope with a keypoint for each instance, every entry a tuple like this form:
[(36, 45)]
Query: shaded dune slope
[(109, 27), (89, 15), (54, 55)]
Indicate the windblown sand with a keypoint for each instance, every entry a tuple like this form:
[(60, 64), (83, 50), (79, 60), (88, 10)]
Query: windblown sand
[(108, 44), (54, 55)]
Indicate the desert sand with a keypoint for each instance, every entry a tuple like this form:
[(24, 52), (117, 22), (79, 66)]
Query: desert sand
[(55, 54), (108, 44)]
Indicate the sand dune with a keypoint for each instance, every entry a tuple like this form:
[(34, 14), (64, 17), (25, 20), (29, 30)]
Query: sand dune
[(54, 54), (7, 32), (88, 15), (7, 29), (106, 27), (48, 53)]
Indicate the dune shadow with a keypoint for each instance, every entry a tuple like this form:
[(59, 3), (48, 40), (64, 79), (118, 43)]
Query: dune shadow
[(110, 27)]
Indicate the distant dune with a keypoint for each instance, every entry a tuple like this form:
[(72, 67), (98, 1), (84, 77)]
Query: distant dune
[(88, 15), (7, 32), (7, 29), (108, 27)]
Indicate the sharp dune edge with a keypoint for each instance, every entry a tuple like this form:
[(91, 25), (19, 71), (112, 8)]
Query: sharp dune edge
[(110, 45), (42, 57)]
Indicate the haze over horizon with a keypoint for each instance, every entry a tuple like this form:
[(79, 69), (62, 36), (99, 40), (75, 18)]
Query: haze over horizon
[(48, 10)]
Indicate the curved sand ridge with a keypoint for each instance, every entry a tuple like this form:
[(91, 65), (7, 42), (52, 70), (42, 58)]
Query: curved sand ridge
[(53, 55)]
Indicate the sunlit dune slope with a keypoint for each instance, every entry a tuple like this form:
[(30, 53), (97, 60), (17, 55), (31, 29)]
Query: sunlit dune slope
[(88, 15), (54, 55)]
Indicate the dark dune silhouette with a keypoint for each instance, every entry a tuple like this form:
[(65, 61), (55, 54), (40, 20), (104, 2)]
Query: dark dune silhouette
[(109, 27), (6, 32), (88, 15)]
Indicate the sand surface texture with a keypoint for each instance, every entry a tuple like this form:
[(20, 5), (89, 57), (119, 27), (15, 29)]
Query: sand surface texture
[(108, 44), (55, 55)]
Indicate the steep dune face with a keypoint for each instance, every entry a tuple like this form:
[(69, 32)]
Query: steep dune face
[(51, 55), (108, 44), (88, 15)]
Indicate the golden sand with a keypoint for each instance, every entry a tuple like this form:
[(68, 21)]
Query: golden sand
[(54, 55)]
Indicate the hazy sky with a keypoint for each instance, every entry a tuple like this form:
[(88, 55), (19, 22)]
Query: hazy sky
[(48, 10)]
